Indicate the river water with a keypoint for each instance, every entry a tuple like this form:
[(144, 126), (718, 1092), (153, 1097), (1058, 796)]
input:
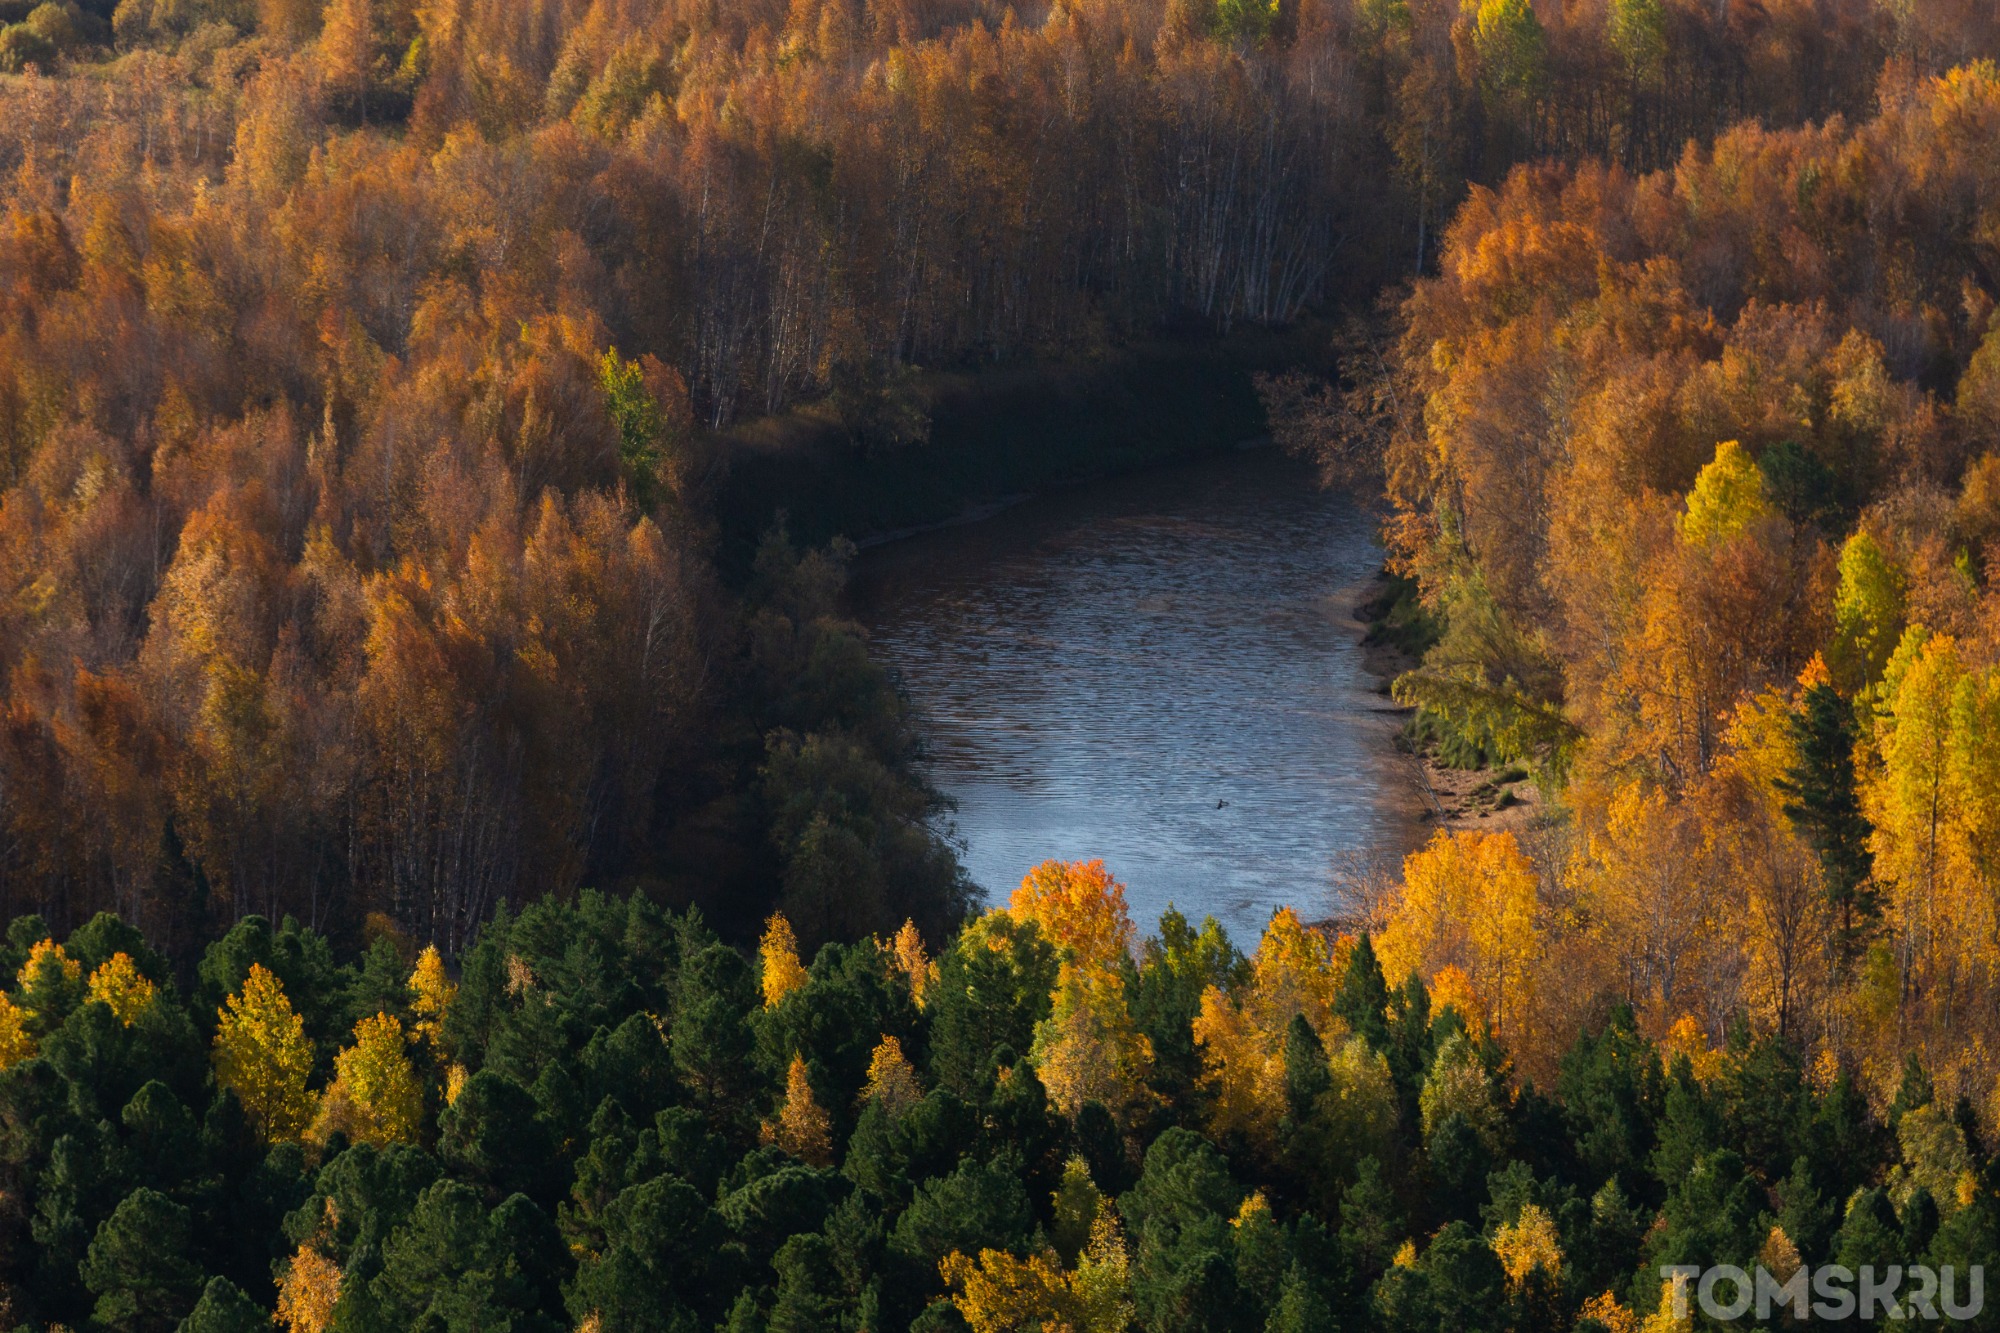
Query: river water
[(1161, 670)]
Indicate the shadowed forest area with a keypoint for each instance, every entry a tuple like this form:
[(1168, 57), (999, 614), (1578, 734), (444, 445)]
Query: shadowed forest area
[(406, 775)]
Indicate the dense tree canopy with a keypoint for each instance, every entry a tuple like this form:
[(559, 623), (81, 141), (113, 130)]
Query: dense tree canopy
[(614, 1126), (1695, 476)]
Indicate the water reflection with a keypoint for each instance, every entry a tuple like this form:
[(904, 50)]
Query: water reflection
[(1157, 670)]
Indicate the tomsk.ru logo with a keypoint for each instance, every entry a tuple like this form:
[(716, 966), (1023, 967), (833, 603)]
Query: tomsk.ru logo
[(1829, 1291)]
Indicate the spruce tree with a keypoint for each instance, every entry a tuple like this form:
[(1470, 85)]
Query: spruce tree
[(1824, 805)]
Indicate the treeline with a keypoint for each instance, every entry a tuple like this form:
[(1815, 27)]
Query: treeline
[(612, 1121), (1696, 471)]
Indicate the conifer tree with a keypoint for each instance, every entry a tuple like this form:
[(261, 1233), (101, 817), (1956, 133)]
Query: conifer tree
[(778, 952), (1824, 804), (803, 1128)]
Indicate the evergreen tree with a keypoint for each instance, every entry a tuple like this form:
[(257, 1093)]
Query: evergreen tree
[(139, 1268), (223, 1308), (1823, 802)]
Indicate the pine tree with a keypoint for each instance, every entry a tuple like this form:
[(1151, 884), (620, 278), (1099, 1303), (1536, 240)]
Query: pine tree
[(223, 1308), (138, 1265), (1363, 997)]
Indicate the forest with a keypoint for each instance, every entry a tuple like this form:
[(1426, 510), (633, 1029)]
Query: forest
[(447, 894), (613, 1120)]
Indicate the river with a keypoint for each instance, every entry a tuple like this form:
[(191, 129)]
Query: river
[(1161, 670)]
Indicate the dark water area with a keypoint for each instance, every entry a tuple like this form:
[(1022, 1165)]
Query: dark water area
[(1161, 670)]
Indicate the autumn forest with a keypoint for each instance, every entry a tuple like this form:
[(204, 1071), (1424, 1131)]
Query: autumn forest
[(454, 884)]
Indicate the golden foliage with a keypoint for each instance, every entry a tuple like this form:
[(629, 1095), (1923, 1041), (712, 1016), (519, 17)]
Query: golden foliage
[(803, 1128), (1102, 1280), (892, 1082), (118, 984), (1686, 1038), (1606, 1310), (1359, 1108), (432, 993), (907, 952), (308, 1292), (1080, 909), (778, 952), (1242, 1038), (1527, 1243), (375, 1097), (1727, 497), (16, 1042), (48, 975), (1089, 1048), (999, 1293), (263, 1055), (1778, 1255), (1452, 988), (1469, 900)]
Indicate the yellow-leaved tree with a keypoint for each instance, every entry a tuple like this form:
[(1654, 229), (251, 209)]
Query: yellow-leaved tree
[(50, 982), (262, 1054), (803, 1127), (308, 1292), (1089, 1049), (1468, 900), (16, 1042), (1528, 1243), (907, 954), (1917, 847), (1242, 1036), (432, 993), (1728, 496), (120, 985), (375, 1097), (999, 1293), (779, 953), (892, 1082)]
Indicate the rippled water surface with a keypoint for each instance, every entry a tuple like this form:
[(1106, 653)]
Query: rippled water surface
[(1158, 670)]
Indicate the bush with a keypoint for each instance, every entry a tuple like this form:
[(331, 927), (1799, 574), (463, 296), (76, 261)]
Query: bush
[(21, 46)]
